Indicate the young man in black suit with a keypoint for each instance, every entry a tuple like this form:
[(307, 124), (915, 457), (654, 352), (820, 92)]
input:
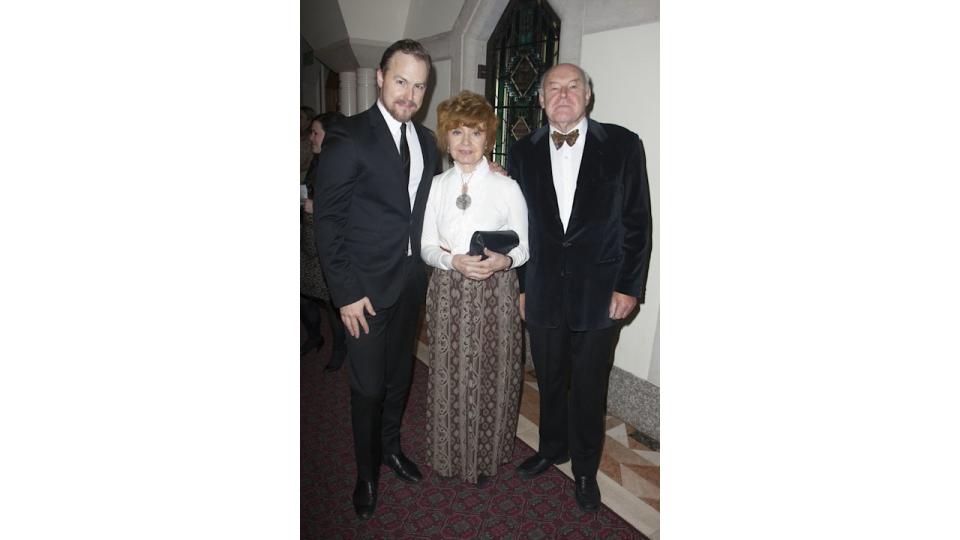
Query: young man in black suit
[(374, 175), (588, 202)]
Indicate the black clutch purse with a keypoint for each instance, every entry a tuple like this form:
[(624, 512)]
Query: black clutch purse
[(500, 241)]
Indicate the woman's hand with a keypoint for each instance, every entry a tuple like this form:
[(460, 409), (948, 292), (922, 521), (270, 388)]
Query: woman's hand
[(496, 262), (473, 268), (468, 265), (308, 206)]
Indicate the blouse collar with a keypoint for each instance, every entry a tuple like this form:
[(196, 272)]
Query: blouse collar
[(481, 170)]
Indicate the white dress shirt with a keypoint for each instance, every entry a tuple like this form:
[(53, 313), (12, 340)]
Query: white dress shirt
[(416, 155), (497, 204), (565, 162)]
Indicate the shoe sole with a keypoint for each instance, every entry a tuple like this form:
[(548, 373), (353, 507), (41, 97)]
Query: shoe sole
[(585, 509), (405, 479)]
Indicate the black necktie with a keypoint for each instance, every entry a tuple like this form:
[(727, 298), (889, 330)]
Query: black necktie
[(404, 151)]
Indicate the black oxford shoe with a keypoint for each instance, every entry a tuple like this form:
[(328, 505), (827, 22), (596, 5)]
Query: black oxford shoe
[(536, 465), (587, 493), (365, 498), (405, 469)]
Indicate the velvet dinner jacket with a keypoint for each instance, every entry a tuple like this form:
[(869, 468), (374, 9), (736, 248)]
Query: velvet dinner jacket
[(572, 275), (362, 215)]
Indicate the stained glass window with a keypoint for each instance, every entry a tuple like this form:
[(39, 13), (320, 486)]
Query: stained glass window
[(524, 44)]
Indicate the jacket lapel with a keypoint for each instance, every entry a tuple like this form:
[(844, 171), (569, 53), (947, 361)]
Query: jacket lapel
[(547, 192), (591, 169), (384, 144)]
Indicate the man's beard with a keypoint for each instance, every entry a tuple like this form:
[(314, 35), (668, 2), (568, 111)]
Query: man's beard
[(397, 113)]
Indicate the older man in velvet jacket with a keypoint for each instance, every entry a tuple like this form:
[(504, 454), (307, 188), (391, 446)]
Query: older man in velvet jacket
[(590, 236)]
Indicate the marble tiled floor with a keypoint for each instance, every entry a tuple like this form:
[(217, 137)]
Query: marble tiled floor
[(629, 476)]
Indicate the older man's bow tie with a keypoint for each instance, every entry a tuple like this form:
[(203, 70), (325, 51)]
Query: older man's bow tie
[(569, 138)]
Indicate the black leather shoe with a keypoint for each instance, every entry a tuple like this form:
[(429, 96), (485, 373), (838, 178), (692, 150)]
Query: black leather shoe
[(536, 465), (405, 469), (365, 498), (587, 493)]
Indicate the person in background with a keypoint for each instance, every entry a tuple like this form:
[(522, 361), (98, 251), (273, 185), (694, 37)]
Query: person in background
[(314, 296), (588, 202), (472, 315), (306, 153), (372, 181)]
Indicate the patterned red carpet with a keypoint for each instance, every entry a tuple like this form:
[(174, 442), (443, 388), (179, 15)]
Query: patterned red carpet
[(437, 507)]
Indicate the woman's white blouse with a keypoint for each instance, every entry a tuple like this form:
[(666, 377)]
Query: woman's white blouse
[(497, 204)]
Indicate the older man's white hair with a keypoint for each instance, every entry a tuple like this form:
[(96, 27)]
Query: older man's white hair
[(583, 75)]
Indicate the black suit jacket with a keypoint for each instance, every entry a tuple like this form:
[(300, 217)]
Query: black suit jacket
[(608, 240), (362, 215)]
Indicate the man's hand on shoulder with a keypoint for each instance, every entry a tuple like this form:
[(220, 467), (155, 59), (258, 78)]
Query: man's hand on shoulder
[(353, 318), (495, 167), (621, 305)]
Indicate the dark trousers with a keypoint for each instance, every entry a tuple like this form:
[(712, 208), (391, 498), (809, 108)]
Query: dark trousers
[(572, 373), (381, 366)]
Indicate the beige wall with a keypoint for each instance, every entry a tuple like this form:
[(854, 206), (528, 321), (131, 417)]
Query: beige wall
[(625, 67), (309, 79), (440, 92), (375, 19), (430, 17)]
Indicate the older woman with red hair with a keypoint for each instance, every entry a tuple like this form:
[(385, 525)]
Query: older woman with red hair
[(472, 311)]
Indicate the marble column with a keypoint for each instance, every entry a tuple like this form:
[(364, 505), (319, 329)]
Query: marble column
[(348, 93), (366, 88)]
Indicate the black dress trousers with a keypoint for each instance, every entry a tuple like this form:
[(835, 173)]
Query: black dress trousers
[(573, 369), (381, 368)]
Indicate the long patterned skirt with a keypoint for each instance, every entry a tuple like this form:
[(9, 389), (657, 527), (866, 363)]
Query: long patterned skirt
[(473, 397)]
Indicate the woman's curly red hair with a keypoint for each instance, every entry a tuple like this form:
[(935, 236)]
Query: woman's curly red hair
[(470, 110)]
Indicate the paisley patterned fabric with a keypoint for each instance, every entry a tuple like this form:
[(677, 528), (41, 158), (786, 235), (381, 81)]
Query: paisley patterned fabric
[(311, 276), (474, 336)]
